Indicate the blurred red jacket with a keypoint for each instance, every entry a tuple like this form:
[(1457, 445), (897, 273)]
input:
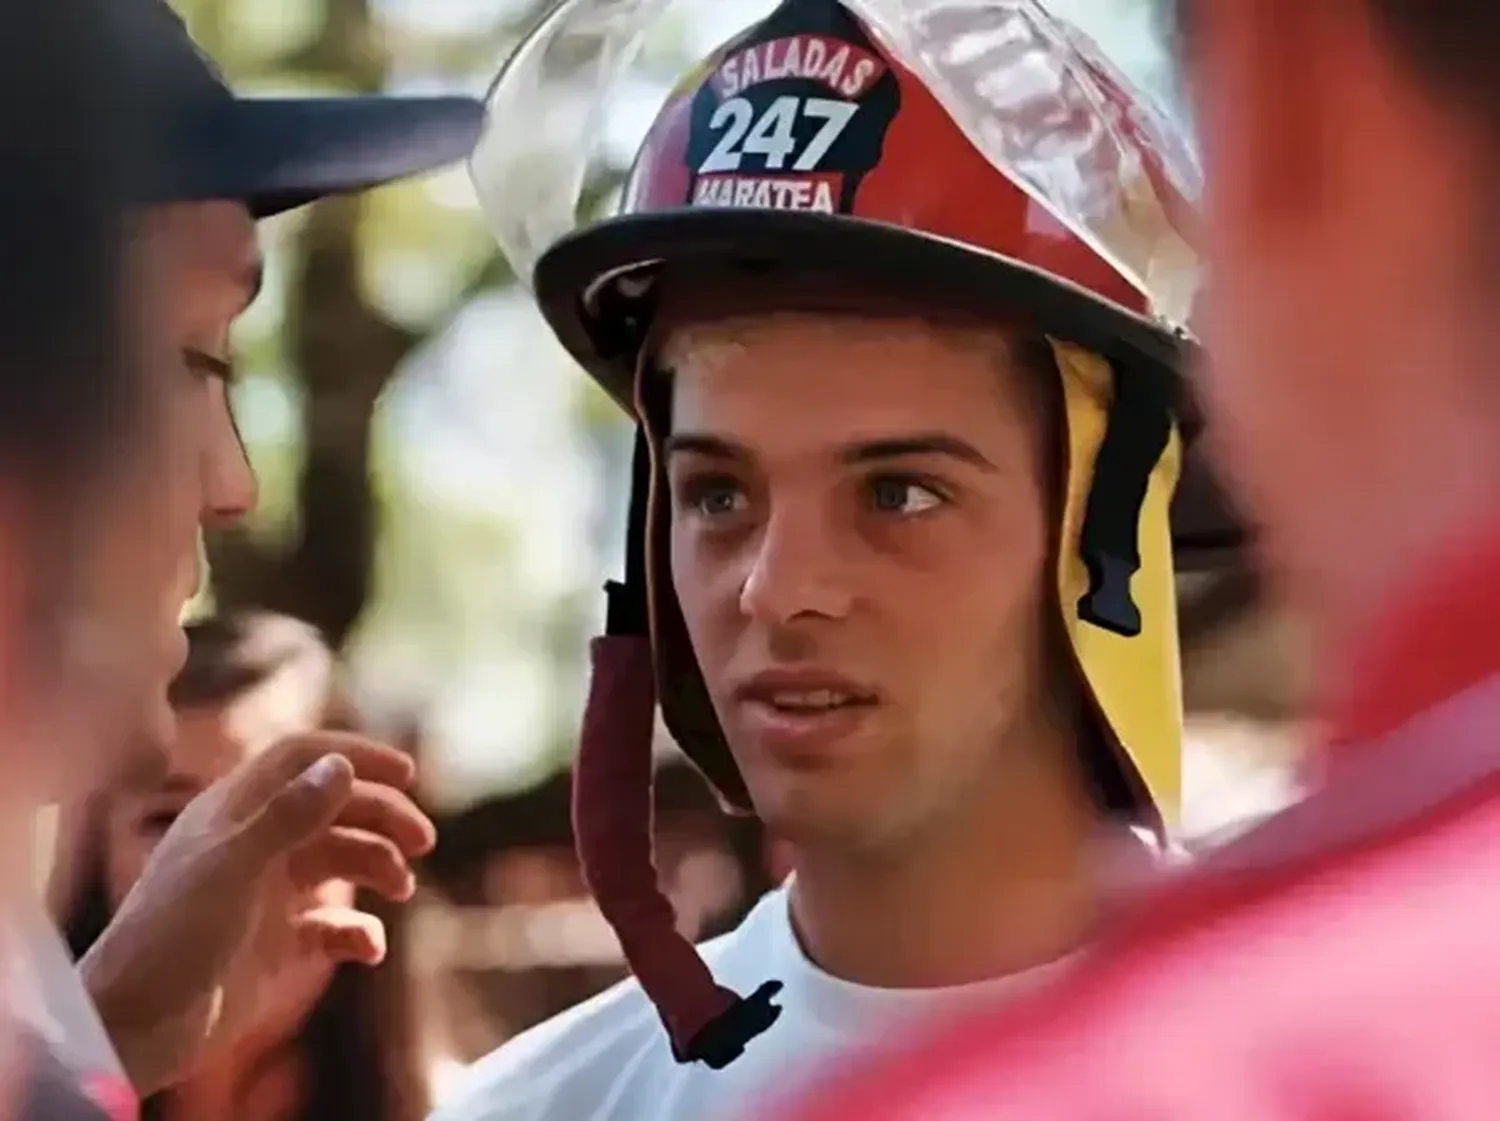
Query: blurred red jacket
[(1339, 963)]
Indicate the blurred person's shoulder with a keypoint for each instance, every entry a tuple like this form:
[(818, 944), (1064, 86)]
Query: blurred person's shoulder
[(1340, 952), (608, 1057)]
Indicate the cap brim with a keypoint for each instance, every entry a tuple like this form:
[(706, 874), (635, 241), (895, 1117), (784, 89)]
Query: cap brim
[(279, 153), (950, 274)]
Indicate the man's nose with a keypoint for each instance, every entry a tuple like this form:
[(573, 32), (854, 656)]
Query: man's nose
[(229, 489), (796, 570)]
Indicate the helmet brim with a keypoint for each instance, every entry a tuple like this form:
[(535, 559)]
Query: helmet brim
[(906, 263)]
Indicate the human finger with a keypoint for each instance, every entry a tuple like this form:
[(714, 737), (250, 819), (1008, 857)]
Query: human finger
[(302, 808), (364, 859), (342, 934), (284, 760), (376, 808)]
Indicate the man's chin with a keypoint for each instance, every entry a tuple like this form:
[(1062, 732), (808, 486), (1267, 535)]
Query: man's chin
[(139, 748), (812, 814)]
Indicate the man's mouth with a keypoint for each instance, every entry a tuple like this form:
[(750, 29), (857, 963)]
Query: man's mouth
[(810, 701), (802, 708)]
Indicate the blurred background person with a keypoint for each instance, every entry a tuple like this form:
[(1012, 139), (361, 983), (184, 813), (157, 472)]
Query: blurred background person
[(332, 1041)]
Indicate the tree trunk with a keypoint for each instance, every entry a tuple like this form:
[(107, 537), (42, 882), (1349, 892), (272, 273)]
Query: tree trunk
[(345, 354)]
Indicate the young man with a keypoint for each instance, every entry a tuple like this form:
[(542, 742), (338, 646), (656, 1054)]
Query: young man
[(900, 541), (158, 975), (1339, 961)]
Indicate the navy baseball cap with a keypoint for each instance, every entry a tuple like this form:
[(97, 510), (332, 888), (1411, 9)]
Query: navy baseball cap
[(277, 153)]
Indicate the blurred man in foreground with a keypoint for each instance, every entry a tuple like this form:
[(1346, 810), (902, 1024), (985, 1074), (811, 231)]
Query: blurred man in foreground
[(75, 421), (1339, 961), (70, 407), (160, 975)]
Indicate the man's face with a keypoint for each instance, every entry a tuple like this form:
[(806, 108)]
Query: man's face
[(199, 268), (860, 546)]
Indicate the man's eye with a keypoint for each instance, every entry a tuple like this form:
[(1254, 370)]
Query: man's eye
[(207, 365), (721, 502), (713, 498), (896, 494)]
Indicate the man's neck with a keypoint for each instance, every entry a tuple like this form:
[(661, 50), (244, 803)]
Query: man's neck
[(1005, 883)]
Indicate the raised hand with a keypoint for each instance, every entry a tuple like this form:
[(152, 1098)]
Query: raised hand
[(234, 897)]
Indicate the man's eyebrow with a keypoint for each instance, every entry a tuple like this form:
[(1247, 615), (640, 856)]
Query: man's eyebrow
[(702, 443), (924, 443), (864, 451)]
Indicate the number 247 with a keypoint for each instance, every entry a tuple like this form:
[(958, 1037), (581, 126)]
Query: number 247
[(772, 136)]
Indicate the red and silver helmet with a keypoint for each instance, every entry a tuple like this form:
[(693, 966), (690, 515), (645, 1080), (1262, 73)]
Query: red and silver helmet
[(981, 157)]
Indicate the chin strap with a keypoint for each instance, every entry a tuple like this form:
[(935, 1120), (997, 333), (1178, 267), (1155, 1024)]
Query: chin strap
[(1139, 428), (612, 824)]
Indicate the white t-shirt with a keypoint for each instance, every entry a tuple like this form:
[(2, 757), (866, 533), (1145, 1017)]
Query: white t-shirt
[(76, 1072), (608, 1059), (44, 993)]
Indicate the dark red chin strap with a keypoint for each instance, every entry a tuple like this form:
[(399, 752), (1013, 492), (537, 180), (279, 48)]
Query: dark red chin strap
[(612, 825)]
